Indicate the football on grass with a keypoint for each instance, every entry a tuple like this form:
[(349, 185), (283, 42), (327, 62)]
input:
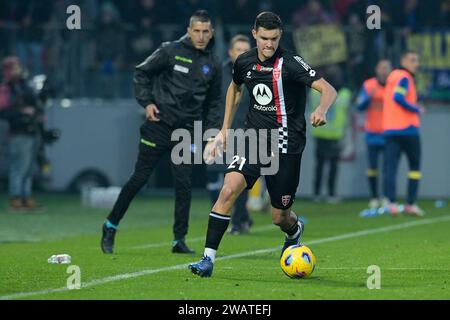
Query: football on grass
[(298, 261)]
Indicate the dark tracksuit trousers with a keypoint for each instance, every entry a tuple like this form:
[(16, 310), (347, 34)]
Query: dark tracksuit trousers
[(154, 143), (373, 153), (326, 151), (395, 146)]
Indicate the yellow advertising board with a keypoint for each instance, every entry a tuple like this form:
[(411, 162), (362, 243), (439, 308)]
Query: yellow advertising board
[(433, 77), (321, 45)]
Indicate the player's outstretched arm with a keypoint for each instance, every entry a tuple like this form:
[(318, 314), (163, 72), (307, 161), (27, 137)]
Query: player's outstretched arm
[(232, 101), (328, 96), (233, 98), (218, 144)]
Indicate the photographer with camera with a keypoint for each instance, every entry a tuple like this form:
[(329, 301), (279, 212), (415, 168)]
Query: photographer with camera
[(20, 106)]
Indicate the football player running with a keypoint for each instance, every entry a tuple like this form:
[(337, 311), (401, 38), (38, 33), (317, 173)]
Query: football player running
[(276, 80)]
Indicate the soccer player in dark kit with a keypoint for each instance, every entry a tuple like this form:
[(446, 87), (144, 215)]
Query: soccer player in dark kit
[(177, 84), (276, 80)]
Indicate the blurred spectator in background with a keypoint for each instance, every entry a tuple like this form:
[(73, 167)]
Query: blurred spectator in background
[(310, 14), (444, 13), (355, 33), (414, 14), (329, 138), (384, 39), (245, 8), (19, 106), (33, 17), (145, 37), (341, 8), (9, 15), (409, 19), (96, 61), (265, 5), (370, 100), (110, 48), (357, 7), (377, 43), (186, 7)]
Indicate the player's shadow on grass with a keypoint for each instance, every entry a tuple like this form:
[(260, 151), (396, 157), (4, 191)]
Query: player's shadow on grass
[(316, 281), (260, 256), (327, 282)]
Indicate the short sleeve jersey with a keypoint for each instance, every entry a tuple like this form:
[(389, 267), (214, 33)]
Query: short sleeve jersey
[(277, 90)]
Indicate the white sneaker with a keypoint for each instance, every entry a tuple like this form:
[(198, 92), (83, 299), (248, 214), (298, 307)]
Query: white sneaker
[(374, 203), (414, 210), (395, 209), (384, 202)]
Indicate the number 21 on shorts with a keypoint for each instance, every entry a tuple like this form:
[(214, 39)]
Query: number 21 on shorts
[(235, 161)]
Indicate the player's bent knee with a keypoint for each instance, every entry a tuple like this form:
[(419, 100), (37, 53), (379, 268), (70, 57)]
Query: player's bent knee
[(227, 194), (226, 200)]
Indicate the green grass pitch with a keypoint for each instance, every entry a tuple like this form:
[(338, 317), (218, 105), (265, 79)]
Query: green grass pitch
[(413, 254)]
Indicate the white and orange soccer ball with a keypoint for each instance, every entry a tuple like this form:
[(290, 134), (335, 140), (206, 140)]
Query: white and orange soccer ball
[(298, 261)]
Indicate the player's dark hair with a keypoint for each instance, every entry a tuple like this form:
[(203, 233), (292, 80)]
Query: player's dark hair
[(199, 16), (268, 20), (239, 38), (381, 59), (406, 52)]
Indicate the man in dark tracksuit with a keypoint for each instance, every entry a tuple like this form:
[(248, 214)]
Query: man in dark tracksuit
[(178, 84)]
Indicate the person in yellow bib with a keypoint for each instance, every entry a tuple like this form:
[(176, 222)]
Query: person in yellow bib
[(329, 138), (370, 101), (401, 128)]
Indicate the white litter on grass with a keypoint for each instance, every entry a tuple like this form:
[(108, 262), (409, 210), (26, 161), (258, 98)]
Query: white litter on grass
[(60, 259)]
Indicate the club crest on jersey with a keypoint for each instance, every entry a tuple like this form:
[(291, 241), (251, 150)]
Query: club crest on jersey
[(285, 200), (277, 74)]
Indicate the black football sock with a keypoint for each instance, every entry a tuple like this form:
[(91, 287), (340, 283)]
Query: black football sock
[(217, 225), (373, 187), (292, 231), (413, 186)]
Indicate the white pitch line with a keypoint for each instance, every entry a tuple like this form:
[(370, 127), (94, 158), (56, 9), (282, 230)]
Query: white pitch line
[(382, 229), (233, 256), (197, 239), (390, 269)]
